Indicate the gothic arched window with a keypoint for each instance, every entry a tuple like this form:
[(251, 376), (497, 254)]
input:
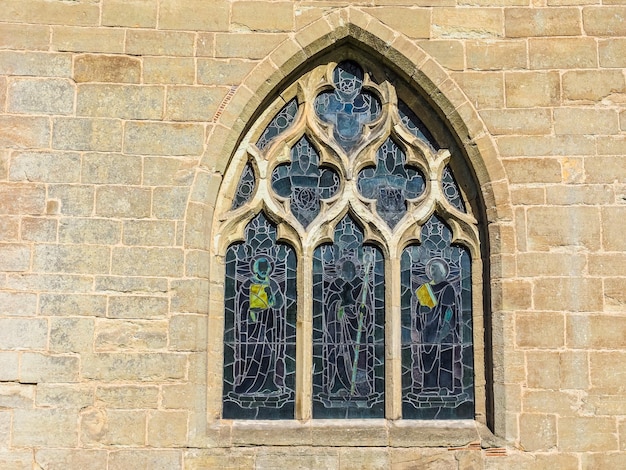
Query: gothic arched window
[(348, 257)]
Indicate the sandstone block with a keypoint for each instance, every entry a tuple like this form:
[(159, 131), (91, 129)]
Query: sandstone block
[(262, 16), (614, 295), (123, 201), (137, 307), (71, 459), (569, 294), (145, 42), (585, 121), (50, 282), (585, 194), (37, 64), (87, 134), (149, 232), (188, 333), (71, 335), (120, 101), (73, 200), (612, 52), (10, 228), (23, 333), (117, 335), (131, 285), (538, 431), (205, 43), (606, 264), (502, 55), (147, 262), (530, 89), (22, 199), (91, 231), (587, 434), (181, 396), (533, 170), (75, 39), (148, 367), (608, 372), (37, 368), (193, 103), (467, 22), (20, 304), (526, 22), (79, 13), (111, 168), (451, 55), (163, 138), (575, 226), (167, 428), (21, 36), (613, 226), (74, 396), (550, 335), (543, 369), (413, 22), (137, 458), (38, 229), (518, 121), (24, 131), (9, 366), (538, 264), (223, 71), (190, 296), (89, 259), (605, 20), (31, 96), (554, 53), (574, 370), (165, 171), (592, 85), (169, 70), (14, 258), (128, 396), (112, 427), (106, 68), (45, 167), (195, 15), (604, 460), (14, 395), (170, 203), (48, 422), (131, 13), (245, 45)]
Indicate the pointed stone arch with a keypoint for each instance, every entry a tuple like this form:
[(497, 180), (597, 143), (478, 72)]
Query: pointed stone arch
[(352, 27)]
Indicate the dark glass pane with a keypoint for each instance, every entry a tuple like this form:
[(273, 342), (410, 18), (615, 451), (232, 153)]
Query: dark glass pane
[(391, 183), (349, 106), (451, 190), (348, 322), (437, 361), (304, 182), (281, 121), (415, 126), (260, 326), (245, 187)]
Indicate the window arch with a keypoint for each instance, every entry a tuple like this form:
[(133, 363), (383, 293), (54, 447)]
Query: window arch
[(350, 252)]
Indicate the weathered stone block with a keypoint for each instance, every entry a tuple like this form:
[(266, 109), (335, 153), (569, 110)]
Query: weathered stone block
[(152, 138), (71, 335), (612, 52), (613, 226), (128, 396), (614, 295), (538, 431), (162, 171), (527, 22), (147, 262), (118, 335), (74, 396), (530, 89), (39, 229), (149, 232), (169, 70), (223, 71), (123, 201), (21, 36), (550, 335), (48, 422), (193, 103), (605, 20), (73, 200), (87, 134), (145, 42), (75, 39), (245, 45), (167, 428), (36, 64), (265, 16), (98, 168), (45, 167), (137, 307), (90, 259), (188, 332), (467, 22), (37, 368), (21, 304), (194, 15), (131, 13), (91, 231), (80, 13), (104, 68), (518, 121), (15, 395), (578, 226), (30, 96), (14, 258), (587, 434), (190, 296), (23, 333), (592, 85), (502, 55), (24, 131), (112, 427), (148, 367), (153, 459), (585, 121), (71, 459), (554, 53), (72, 304), (22, 199), (170, 203), (131, 285), (120, 101), (608, 372)]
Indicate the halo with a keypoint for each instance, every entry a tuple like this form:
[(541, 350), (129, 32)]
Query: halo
[(442, 262), (254, 263)]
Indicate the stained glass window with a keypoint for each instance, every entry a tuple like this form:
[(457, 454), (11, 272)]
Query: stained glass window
[(260, 335), (338, 189)]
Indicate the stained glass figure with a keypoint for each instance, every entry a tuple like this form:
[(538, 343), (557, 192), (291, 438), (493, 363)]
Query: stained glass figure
[(437, 364), (245, 188), (415, 126), (348, 321), (349, 107), (304, 182), (260, 332), (391, 183), (451, 189), (283, 119)]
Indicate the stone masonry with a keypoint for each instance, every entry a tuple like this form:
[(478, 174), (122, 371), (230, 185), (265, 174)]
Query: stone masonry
[(118, 121)]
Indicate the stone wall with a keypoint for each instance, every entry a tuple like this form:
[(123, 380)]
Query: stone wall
[(118, 119)]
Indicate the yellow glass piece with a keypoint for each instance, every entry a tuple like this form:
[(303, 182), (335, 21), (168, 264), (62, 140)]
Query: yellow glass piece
[(425, 296), (258, 297)]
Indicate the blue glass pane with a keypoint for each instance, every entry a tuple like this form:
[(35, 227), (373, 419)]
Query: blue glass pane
[(391, 183), (281, 121), (437, 360), (348, 322), (451, 190), (415, 126), (245, 187), (304, 182), (349, 107), (260, 326)]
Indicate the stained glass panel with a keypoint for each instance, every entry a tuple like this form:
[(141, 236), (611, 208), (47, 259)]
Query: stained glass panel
[(451, 190), (304, 182), (260, 331), (245, 188), (415, 126), (348, 321), (283, 119), (349, 107), (391, 183), (437, 363)]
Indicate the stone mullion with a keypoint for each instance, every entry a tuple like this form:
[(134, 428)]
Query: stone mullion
[(393, 357), (304, 338)]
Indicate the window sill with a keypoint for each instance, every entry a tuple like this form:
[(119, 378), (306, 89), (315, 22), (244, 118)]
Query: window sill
[(354, 433)]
